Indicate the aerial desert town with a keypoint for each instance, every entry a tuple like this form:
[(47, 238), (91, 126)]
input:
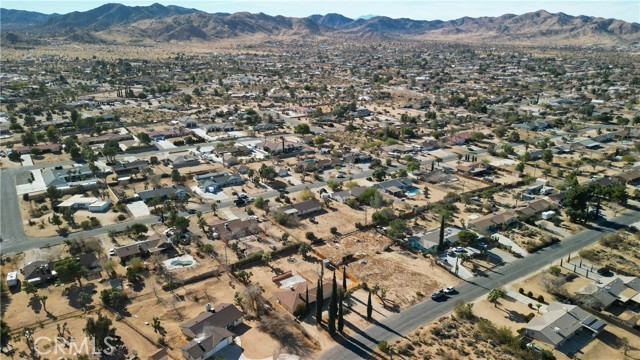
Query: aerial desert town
[(181, 184)]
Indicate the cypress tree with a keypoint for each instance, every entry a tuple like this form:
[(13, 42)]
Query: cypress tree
[(344, 278), (306, 299), (340, 316), (333, 307), (441, 239), (319, 303), (369, 307)]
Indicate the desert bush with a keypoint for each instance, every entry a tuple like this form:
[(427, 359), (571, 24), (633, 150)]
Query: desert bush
[(384, 346), (555, 270), (588, 254), (530, 294), (521, 291), (540, 298)]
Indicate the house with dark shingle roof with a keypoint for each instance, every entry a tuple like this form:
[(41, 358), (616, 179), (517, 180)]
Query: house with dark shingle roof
[(236, 228), (301, 208), (142, 249), (343, 195), (214, 182), (493, 221), (38, 271), (395, 187), (621, 289), (162, 193), (209, 331)]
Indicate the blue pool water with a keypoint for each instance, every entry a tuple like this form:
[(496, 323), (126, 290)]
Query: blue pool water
[(412, 191)]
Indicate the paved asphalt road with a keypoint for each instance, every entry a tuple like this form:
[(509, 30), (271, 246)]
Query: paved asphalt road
[(363, 341)]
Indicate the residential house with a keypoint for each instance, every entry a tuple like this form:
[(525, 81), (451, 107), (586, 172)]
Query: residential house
[(493, 221), (161, 354), (235, 150), (235, 229), (458, 139), (132, 167), (586, 144), (281, 171), (229, 160), (357, 158), (225, 316), (535, 154), (604, 138), (315, 164), (561, 323), (66, 178), (395, 187), (561, 149), (301, 208), (279, 147), (343, 195), (536, 208), (436, 176), (430, 144), (429, 240), (160, 194), (188, 122), (534, 125), (264, 127), (631, 176), (165, 134), (474, 169), (620, 289), (397, 150), (101, 139), (292, 297), (38, 271), (45, 148), (219, 127), (214, 182), (209, 332), (183, 160), (93, 204), (143, 249)]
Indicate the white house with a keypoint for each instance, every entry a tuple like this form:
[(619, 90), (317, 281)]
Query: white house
[(92, 204)]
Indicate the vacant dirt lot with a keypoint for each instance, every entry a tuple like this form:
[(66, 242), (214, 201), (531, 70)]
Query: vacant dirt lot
[(401, 273)]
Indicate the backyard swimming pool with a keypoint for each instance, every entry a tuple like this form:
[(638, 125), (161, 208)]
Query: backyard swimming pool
[(179, 262), (413, 191)]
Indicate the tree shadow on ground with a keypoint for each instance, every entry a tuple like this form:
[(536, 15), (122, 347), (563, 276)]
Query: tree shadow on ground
[(34, 304), (78, 301)]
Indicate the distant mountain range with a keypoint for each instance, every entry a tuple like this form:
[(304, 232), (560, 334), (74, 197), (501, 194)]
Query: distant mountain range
[(168, 23)]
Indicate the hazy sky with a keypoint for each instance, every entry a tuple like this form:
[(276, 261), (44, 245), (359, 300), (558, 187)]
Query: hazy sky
[(628, 10)]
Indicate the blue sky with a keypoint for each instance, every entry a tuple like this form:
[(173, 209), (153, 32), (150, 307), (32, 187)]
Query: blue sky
[(628, 10)]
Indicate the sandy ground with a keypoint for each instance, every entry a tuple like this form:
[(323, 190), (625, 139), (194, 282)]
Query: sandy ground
[(400, 272)]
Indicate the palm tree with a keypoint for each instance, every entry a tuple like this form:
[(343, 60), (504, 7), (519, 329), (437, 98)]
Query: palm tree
[(495, 295)]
